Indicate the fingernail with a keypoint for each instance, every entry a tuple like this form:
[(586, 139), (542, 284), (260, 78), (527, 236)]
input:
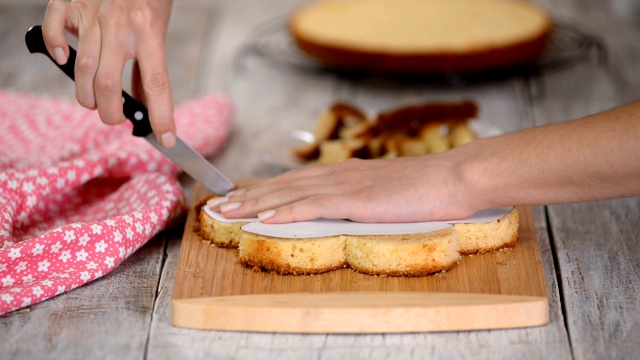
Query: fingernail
[(168, 140), (230, 206), (266, 215), (237, 192), (214, 203), (59, 55)]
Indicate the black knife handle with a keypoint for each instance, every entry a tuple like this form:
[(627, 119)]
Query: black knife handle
[(132, 109)]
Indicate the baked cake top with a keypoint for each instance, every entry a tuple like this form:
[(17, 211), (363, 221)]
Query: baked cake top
[(420, 26)]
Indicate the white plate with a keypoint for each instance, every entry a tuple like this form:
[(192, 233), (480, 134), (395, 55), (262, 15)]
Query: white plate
[(277, 150)]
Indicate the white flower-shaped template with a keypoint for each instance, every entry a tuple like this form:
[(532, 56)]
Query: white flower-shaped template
[(326, 227)]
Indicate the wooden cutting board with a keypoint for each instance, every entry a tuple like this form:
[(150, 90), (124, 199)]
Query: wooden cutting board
[(504, 289)]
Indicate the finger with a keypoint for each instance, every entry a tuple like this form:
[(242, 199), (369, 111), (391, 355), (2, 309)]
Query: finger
[(233, 208), (349, 171), (89, 44), (295, 178), (249, 202), (298, 175), (292, 186), (157, 90), (53, 26), (320, 206), (108, 80), (136, 83), (350, 206)]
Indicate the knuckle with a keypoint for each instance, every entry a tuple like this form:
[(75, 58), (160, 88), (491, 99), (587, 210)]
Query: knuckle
[(146, 20), (236, 198), (320, 201), (292, 174), (85, 101), (80, 4), (110, 117), (253, 204), (112, 16), (109, 19), (297, 191), (141, 16), (291, 212), (156, 83), (110, 120), (52, 4), (349, 164), (51, 36), (161, 124), (86, 64), (106, 83)]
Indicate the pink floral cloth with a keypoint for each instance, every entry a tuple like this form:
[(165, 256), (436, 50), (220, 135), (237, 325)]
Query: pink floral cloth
[(77, 197)]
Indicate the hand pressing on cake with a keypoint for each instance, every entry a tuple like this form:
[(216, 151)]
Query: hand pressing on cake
[(110, 33), (385, 190), (593, 158)]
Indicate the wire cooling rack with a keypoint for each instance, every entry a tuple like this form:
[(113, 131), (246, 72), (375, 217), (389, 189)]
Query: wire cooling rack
[(568, 46)]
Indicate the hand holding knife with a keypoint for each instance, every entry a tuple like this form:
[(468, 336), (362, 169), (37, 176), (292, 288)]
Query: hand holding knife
[(182, 154)]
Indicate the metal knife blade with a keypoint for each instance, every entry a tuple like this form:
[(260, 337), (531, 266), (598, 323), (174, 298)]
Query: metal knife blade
[(182, 154)]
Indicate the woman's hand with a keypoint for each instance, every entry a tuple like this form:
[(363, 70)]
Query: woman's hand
[(110, 33), (393, 190), (592, 158)]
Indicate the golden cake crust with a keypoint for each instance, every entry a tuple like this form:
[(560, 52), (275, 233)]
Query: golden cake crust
[(358, 46), (224, 235), (487, 237), (403, 255), (292, 256), (392, 255)]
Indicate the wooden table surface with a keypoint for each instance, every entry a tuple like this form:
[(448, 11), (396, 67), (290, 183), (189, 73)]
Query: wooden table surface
[(591, 251)]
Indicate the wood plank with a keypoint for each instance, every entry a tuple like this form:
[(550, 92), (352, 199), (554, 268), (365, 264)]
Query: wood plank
[(107, 319), (597, 244), (21, 71), (601, 295), (360, 312)]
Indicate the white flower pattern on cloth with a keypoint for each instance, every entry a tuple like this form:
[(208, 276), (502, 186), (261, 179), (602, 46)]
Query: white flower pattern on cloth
[(77, 197)]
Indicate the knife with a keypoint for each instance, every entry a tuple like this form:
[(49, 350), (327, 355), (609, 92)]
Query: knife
[(182, 154)]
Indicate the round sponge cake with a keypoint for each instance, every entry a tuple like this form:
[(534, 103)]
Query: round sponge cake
[(403, 255), (421, 36), (410, 249), (292, 256), (487, 237)]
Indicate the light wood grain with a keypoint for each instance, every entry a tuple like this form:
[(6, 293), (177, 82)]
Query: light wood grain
[(107, 319), (597, 244), (360, 312)]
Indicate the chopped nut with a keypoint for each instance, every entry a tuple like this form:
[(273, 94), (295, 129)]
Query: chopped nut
[(344, 131), (460, 133)]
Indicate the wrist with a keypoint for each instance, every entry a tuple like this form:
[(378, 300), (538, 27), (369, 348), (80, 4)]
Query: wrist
[(475, 178)]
